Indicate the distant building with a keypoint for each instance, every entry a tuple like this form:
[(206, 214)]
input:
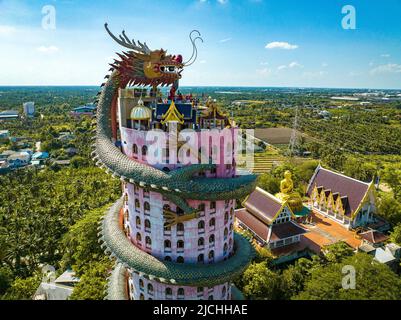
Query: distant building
[(9, 115), (29, 109), (349, 202), (60, 289), (87, 110), (19, 159), (4, 135), (271, 221)]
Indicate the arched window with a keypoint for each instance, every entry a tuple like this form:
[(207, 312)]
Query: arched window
[(169, 291), (210, 297), (201, 224), (201, 258), (126, 197), (200, 290), (225, 248), (213, 205), (148, 241), (137, 204), (167, 258), (232, 212), (146, 206), (126, 215), (211, 239), (138, 237), (212, 222), (231, 227), (180, 227), (223, 292), (167, 244), (180, 259), (225, 217), (225, 233), (211, 255), (135, 149), (180, 244), (167, 227), (201, 242), (141, 285), (144, 150), (150, 288), (147, 224), (201, 207), (180, 292), (166, 207), (230, 242), (138, 222), (141, 297)]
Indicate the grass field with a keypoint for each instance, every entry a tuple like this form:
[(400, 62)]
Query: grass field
[(275, 135), (264, 161)]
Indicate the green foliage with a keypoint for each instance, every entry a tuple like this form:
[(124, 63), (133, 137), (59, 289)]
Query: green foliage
[(80, 243), (374, 281), (390, 209), (38, 207), (263, 255), (269, 183), (260, 283), (79, 162), (5, 279), (396, 234), (360, 170), (392, 175), (23, 289), (93, 282), (337, 252)]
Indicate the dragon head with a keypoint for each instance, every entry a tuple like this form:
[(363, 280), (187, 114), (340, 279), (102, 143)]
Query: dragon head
[(142, 66)]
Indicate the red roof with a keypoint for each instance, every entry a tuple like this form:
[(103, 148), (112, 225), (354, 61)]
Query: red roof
[(262, 204), (374, 236), (253, 223), (348, 187), (285, 230)]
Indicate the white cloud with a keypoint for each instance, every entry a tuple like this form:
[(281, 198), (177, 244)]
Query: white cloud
[(6, 30), (49, 49), (225, 40), (292, 65), (325, 65), (222, 1), (295, 64), (202, 61), (281, 45), (385, 55), (264, 63), (386, 68), (264, 71)]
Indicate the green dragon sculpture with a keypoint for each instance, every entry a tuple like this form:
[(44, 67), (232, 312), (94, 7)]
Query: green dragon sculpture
[(178, 185), (141, 66)]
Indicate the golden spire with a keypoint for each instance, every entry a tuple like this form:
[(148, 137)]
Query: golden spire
[(172, 115)]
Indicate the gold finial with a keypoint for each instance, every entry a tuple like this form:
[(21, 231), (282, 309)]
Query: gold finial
[(172, 115)]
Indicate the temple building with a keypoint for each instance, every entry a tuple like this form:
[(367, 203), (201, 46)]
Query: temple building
[(270, 220), (347, 201)]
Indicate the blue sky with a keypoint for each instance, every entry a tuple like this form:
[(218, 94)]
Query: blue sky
[(247, 42)]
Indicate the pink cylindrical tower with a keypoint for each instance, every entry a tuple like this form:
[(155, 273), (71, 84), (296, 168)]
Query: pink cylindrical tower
[(206, 239)]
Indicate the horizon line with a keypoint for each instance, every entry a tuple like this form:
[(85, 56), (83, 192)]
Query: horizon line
[(205, 86)]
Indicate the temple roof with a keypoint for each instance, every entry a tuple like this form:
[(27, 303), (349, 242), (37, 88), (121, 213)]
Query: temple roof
[(351, 191), (263, 204), (374, 236), (185, 109), (253, 223), (285, 230), (173, 115)]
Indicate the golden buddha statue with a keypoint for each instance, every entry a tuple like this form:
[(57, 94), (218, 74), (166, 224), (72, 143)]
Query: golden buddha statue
[(287, 193)]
